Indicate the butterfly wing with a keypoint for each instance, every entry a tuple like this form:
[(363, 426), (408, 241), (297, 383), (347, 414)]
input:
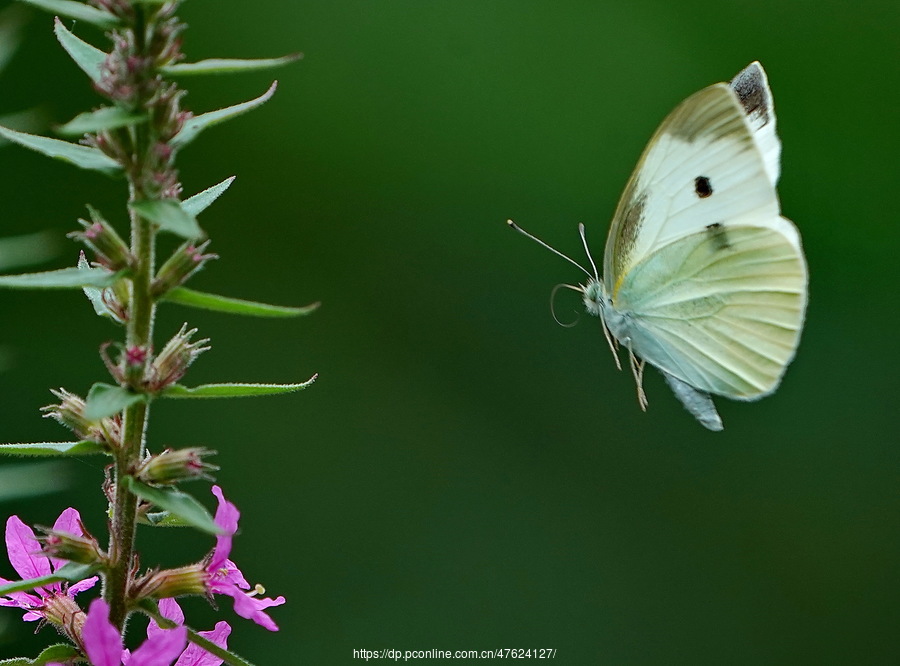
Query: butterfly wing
[(720, 309), (713, 160), (752, 89), (710, 279)]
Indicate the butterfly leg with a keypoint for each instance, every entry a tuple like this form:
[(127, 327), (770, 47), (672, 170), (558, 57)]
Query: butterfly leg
[(637, 369), (613, 344)]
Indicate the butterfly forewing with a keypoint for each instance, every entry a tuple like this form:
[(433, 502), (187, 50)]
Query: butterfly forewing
[(701, 168), (752, 89)]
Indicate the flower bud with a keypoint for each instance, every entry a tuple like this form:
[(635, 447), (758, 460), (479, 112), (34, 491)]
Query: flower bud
[(172, 362), (98, 235), (70, 413), (71, 547), (184, 262), (171, 583), (63, 611), (172, 466)]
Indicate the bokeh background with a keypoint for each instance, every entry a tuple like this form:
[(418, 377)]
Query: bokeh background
[(467, 474)]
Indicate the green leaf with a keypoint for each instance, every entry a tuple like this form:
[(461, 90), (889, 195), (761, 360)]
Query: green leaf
[(87, 57), (12, 24), (34, 478), (227, 65), (105, 400), (81, 448), (27, 249), (70, 572), (106, 118), (201, 201), (64, 278), (77, 10), (81, 156), (197, 124), (165, 519), (57, 653), (175, 502), (169, 215), (95, 296), (233, 390), (199, 299)]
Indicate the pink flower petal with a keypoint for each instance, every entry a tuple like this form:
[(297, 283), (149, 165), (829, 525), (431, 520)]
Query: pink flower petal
[(227, 574), (195, 655), (82, 585), (227, 517), (161, 649), (170, 610), (102, 641), (68, 521), (251, 608), (21, 546)]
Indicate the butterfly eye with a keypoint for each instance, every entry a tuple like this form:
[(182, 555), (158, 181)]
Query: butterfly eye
[(702, 187)]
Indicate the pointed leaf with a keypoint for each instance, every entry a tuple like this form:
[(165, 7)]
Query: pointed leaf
[(70, 572), (29, 120), (12, 22), (60, 653), (175, 502), (233, 390), (199, 299), (81, 448), (165, 519), (34, 478), (105, 400), (95, 296), (197, 124), (169, 215), (64, 278), (201, 201), (81, 156), (106, 118), (77, 10), (88, 58), (228, 65), (27, 249)]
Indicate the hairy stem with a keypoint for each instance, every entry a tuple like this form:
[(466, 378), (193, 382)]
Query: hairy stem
[(139, 335)]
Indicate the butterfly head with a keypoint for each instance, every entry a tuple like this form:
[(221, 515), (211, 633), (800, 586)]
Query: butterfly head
[(595, 298)]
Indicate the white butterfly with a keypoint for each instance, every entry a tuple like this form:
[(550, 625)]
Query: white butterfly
[(702, 276)]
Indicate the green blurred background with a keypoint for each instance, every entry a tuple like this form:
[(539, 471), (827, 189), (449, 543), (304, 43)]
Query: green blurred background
[(467, 474)]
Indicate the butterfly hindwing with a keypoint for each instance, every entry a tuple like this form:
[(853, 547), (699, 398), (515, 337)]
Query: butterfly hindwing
[(720, 309)]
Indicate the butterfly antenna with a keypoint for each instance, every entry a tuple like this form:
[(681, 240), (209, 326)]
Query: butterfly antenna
[(553, 250), (587, 251), (553, 310)]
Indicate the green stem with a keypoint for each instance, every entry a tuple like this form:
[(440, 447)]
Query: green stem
[(134, 426), (142, 312)]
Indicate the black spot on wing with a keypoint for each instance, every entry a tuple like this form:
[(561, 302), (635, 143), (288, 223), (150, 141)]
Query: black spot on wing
[(717, 236), (702, 187)]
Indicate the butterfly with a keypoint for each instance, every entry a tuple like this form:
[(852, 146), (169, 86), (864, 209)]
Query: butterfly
[(702, 276)]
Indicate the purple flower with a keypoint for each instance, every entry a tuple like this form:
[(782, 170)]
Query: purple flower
[(226, 578), (194, 655), (103, 643), (28, 561)]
